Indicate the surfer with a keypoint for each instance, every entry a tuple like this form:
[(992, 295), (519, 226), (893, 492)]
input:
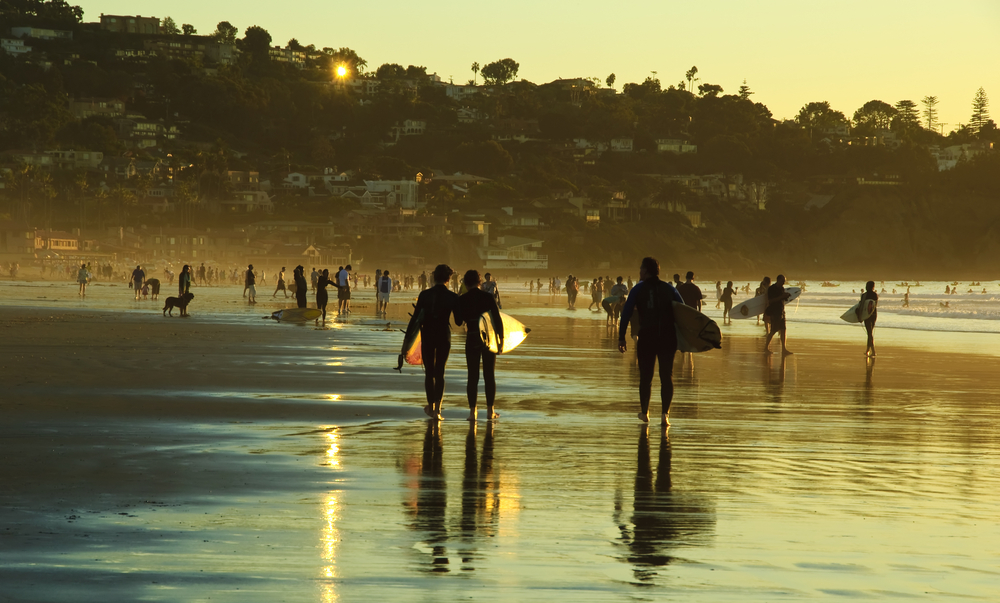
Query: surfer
[(775, 313), (431, 314), (300, 286), (281, 283), (727, 299), (691, 292), (471, 307), (870, 321), (490, 286), (652, 299), (762, 290), (322, 297)]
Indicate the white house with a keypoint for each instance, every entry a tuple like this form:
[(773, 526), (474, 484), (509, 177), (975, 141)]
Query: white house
[(513, 252), (674, 145), (621, 145), (14, 47), (404, 193), (41, 33)]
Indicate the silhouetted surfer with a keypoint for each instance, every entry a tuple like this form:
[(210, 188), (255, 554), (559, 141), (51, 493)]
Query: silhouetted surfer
[(438, 305), (870, 321), (471, 306), (775, 312), (653, 300)]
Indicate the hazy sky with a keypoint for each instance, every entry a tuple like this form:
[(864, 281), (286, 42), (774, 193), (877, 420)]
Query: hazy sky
[(790, 51)]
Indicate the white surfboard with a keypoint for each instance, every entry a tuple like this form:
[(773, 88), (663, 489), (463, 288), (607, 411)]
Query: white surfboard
[(756, 306), (695, 331), (859, 312), (297, 314), (513, 333)]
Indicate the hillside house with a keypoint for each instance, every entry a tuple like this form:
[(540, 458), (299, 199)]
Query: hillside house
[(518, 253)]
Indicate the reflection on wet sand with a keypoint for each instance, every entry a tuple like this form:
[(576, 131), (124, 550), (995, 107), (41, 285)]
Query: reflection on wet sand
[(661, 520)]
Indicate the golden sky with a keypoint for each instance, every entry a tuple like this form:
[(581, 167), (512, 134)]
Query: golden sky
[(790, 51)]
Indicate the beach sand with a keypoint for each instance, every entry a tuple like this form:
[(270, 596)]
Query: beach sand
[(224, 457)]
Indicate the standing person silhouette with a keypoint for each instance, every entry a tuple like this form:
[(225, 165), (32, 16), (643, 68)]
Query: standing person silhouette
[(471, 306), (437, 304), (301, 287), (653, 300)]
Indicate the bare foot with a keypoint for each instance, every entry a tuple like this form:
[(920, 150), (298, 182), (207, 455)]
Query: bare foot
[(492, 414), (472, 416), (430, 412), (665, 421), (786, 353), (767, 351), (644, 417)]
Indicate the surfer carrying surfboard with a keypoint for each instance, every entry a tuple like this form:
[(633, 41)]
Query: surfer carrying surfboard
[(653, 300), (776, 297), (869, 294), (431, 316), (471, 306)]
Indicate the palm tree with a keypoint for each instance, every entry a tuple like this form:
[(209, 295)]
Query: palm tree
[(475, 72)]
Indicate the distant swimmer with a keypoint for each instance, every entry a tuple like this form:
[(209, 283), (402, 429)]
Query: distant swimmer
[(653, 300), (947, 290), (437, 305), (870, 321), (906, 299), (775, 311), (727, 299), (471, 306)]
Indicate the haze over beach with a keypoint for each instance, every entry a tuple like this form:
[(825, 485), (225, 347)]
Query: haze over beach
[(338, 303)]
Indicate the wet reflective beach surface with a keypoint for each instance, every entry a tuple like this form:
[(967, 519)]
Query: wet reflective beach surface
[(815, 476)]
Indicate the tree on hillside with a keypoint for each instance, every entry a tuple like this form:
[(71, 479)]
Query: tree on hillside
[(874, 115), (483, 158), (980, 111), (819, 117), (744, 92), (610, 81), (689, 75), (256, 44), (709, 90), (475, 72), (907, 118), (390, 71), (500, 72), (930, 112), (39, 13), (639, 91), (347, 58), (169, 27), (188, 29), (225, 32)]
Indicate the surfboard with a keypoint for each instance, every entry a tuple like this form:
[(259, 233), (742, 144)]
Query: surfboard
[(859, 312), (410, 352), (756, 306), (695, 331), (514, 332), (297, 314)]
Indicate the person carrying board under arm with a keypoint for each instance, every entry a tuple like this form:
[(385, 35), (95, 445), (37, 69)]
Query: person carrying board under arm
[(653, 300), (775, 312), (437, 305), (870, 321), (472, 305)]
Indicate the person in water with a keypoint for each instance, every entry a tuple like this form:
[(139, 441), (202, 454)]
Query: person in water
[(653, 300), (473, 304), (322, 297), (775, 313), (301, 287), (690, 292), (870, 321), (437, 304), (727, 299)]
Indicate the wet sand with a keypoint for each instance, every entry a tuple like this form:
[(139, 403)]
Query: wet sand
[(230, 458)]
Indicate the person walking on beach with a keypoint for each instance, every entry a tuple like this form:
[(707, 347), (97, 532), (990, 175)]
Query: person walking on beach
[(344, 290), (138, 277), (471, 306), (322, 297), (870, 321), (762, 290), (775, 312), (727, 299), (301, 287), (491, 286), (718, 294), (653, 300), (438, 305), (383, 288), (250, 285), (690, 292), (83, 277), (314, 278), (281, 283)]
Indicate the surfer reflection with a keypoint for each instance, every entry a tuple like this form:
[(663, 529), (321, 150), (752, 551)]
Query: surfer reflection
[(661, 520), (479, 483), (432, 499)]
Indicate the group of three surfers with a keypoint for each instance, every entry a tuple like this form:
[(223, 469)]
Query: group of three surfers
[(652, 299)]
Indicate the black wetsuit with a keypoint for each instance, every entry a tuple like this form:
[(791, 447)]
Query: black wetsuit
[(437, 304), (776, 307), (322, 297), (653, 300), (471, 306), (300, 290)]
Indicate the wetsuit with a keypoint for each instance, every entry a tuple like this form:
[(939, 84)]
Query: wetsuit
[(300, 290), (322, 297), (471, 306), (437, 305), (870, 321), (653, 300), (775, 310)]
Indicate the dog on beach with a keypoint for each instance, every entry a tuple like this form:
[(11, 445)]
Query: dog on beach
[(178, 302)]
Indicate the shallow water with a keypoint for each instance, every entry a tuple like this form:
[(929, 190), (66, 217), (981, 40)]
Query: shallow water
[(807, 477)]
